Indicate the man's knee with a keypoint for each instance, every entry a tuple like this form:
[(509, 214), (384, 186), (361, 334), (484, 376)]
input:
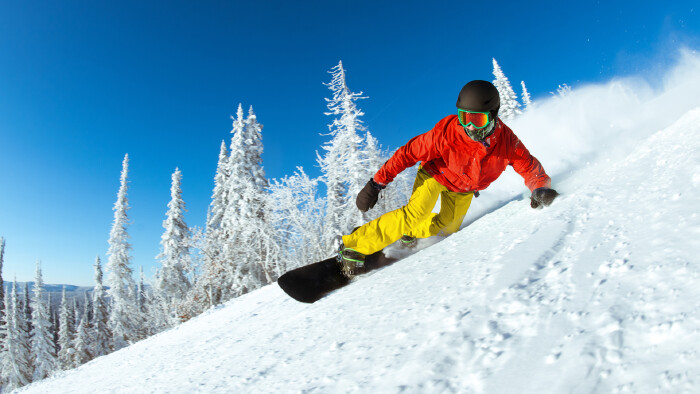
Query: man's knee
[(412, 216)]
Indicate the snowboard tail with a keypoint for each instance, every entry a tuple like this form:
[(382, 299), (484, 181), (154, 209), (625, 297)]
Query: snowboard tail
[(312, 282)]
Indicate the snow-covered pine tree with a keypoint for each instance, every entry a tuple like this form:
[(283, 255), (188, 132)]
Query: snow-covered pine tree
[(510, 107), (43, 349), (243, 216), (211, 284), (4, 320), (160, 317), (171, 283), (27, 308), (56, 324), (141, 293), (271, 252), (16, 357), (527, 100), (297, 211), (217, 208), (76, 315), (256, 188), (2, 261), (2, 291), (87, 307), (124, 318), (66, 332), (235, 250), (2, 287), (83, 339), (260, 236), (24, 322), (101, 336), (344, 171)]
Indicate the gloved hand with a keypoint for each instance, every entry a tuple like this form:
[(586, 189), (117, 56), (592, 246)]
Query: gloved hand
[(542, 197), (368, 196)]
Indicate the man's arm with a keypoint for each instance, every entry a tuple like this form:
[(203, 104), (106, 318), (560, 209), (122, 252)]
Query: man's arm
[(533, 173), (424, 147), (527, 165), (420, 148)]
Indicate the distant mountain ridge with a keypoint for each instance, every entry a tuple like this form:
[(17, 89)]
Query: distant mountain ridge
[(55, 291), (51, 288)]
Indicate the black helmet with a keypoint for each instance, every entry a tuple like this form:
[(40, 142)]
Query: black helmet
[(480, 96)]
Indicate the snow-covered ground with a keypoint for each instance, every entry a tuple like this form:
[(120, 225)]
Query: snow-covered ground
[(598, 293)]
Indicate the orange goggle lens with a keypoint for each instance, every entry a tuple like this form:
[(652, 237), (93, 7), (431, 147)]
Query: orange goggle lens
[(477, 119)]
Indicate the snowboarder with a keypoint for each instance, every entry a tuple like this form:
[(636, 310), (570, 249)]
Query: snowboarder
[(461, 155)]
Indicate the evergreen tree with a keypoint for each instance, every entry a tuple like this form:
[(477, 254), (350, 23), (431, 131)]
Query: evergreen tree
[(160, 317), (76, 315), (258, 182), (124, 319), (141, 293), (259, 234), (217, 208), (171, 283), (87, 307), (234, 248), (2, 286), (56, 325), (43, 348), (49, 308), (510, 107), (4, 318), (243, 219), (211, 285), (297, 212), (342, 165), (16, 360), (66, 329), (101, 336), (527, 101), (53, 318), (83, 339), (27, 308)]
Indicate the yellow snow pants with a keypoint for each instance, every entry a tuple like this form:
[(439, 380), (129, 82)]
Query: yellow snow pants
[(415, 219)]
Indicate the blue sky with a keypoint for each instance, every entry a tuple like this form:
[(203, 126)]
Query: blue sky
[(82, 83)]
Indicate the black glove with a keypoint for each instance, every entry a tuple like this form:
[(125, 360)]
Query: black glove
[(368, 196), (542, 197)]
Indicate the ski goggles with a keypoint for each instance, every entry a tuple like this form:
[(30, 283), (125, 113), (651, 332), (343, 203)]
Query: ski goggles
[(477, 119)]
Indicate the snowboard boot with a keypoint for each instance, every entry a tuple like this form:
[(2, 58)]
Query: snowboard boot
[(408, 242), (351, 262)]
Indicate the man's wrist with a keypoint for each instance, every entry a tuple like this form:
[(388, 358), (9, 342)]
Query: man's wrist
[(376, 185)]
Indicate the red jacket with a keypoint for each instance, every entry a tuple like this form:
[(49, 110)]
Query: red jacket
[(462, 164)]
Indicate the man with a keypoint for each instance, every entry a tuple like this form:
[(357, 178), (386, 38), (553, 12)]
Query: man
[(461, 155)]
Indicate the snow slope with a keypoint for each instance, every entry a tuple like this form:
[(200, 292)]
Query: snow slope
[(598, 293)]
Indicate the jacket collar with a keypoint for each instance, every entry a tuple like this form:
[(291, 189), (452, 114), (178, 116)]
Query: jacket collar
[(465, 140)]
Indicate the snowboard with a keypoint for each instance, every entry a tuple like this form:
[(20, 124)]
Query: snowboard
[(312, 282)]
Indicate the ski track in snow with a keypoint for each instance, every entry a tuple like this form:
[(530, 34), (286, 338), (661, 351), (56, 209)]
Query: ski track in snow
[(597, 293)]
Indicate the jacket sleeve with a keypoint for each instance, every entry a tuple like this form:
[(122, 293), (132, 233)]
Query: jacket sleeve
[(420, 148), (527, 165)]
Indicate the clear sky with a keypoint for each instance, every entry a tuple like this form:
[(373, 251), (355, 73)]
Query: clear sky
[(82, 83)]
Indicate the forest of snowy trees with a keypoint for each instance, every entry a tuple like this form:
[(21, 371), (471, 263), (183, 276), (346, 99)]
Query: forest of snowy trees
[(256, 229)]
